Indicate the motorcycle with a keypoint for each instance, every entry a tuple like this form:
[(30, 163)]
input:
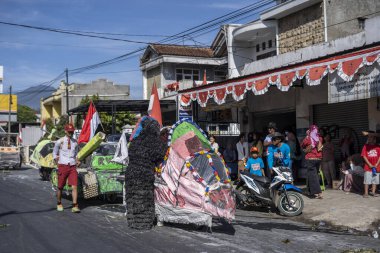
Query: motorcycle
[(256, 190)]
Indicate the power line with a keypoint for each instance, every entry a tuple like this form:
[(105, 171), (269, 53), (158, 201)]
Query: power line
[(187, 32), (71, 32)]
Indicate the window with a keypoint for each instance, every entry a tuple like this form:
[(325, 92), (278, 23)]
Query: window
[(219, 75), (187, 74), (266, 55), (257, 48), (269, 43), (263, 45)]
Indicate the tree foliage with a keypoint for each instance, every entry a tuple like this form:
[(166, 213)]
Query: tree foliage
[(121, 119), (26, 114)]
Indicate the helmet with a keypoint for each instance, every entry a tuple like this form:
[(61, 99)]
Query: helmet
[(69, 127), (254, 150)]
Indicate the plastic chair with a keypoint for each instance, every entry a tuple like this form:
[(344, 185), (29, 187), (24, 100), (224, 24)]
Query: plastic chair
[(320, 173), (322, 176)]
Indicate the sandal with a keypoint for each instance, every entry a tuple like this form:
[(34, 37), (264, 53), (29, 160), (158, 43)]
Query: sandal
[(365, 196)]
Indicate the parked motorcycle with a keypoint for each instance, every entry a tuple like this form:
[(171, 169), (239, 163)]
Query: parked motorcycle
[(255, 190)]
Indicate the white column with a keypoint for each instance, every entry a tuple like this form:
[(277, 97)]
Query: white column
[(145, 84)]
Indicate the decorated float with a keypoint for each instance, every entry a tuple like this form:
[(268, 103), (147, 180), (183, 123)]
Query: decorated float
[(192, 184), (98, 174)]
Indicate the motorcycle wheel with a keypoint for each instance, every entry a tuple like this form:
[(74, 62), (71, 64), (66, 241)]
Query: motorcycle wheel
[(45, 174), (111, 198), (243, 197), (294, 208)]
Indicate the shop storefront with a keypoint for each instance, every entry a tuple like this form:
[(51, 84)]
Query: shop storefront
[(302, 94)]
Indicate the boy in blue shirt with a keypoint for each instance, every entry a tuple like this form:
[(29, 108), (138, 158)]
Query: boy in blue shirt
[(278, 152), (255, 164)]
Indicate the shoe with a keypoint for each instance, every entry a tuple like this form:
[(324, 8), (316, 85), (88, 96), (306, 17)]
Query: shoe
[(75, 209), (60, 208), (365, 196), (373, 194)]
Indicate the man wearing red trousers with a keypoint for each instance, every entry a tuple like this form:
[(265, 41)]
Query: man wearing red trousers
[(65, 152)]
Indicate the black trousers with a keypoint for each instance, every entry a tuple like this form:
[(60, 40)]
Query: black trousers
[(312, 167)]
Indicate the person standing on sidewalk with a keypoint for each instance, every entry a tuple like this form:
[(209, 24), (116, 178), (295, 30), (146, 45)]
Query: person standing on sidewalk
[(243, 152), (312, 146), (65, 152), (371, 156), (328, 163)]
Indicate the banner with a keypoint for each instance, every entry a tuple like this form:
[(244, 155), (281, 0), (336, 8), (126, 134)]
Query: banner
[(185, 112), (365, 84)]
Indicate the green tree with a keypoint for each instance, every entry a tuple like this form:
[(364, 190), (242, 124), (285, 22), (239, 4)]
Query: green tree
[(26, 114), (121, 118)]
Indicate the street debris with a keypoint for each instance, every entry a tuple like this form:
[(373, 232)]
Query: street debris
[(286, 241), (4, 225), (360, 251)]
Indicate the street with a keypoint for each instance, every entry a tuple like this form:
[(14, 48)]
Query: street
[(29, 223)]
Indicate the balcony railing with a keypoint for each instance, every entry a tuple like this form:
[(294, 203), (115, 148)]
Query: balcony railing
[(221, 129)]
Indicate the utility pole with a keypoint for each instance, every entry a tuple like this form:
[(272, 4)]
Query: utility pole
[(67, 91), (9, 116)]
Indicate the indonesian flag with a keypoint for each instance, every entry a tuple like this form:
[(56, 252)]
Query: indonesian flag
[(204, 78), (43, 126), (20, 133), (90, 125), (154, 109)]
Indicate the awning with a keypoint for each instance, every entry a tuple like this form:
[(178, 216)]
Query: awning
[(121, 106), (345, 65)]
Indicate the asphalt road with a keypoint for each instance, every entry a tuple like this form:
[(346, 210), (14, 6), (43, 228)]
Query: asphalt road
[(29, 223)]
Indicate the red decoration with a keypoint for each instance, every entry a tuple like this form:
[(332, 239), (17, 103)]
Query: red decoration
[(287, 78), (317, 73), (350, 67)]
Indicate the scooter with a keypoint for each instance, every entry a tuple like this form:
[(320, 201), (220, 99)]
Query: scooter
[(256, 190)]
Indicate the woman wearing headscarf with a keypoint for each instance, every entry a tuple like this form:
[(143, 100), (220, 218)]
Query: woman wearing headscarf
[(312, 146)]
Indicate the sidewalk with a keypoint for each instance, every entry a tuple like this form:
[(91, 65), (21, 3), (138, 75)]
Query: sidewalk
[(342, 209)]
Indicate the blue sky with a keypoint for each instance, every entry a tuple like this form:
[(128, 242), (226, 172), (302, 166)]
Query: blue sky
[(31, 57)]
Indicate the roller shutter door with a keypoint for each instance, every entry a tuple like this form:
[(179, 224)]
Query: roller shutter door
[(352, 115)]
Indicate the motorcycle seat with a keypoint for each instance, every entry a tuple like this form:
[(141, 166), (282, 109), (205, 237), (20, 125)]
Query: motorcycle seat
[(262, 179)]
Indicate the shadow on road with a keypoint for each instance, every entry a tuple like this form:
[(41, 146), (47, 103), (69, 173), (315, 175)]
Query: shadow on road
[(219, 226), (268, 226), (26, 212)]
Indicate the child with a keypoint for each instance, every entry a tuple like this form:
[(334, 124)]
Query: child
[(371, 156), (255, 164)]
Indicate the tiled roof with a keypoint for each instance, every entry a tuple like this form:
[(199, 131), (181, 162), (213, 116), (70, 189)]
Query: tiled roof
[(183, 50)]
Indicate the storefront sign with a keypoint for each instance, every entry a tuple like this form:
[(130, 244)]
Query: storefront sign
[(365, 84), (185, 112)]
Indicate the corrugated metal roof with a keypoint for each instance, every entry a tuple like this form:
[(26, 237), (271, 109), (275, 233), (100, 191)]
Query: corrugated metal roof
[(183, 50)]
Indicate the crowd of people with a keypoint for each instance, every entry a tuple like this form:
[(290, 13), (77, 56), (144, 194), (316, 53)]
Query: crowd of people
[(315, 154)]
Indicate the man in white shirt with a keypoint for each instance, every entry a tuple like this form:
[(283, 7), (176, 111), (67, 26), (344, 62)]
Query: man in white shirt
[(65, 152), (243, 153)]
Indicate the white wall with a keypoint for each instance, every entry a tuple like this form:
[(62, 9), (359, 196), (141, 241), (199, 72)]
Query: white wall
[(273, 100), (305, 98)]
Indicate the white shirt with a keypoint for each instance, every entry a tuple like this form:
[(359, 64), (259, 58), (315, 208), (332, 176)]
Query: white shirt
[(242, 150), (66, 156), (215, 146)]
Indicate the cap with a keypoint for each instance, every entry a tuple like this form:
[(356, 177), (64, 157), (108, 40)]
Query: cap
[(272, 125), (69, 127), (254, 150), (277, 135)]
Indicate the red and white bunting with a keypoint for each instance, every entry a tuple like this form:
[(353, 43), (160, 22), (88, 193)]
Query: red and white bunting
[(346, 67)]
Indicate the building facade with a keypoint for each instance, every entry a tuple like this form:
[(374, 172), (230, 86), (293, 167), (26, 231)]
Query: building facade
[(174, 67), (302, 62), (55, 106)]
